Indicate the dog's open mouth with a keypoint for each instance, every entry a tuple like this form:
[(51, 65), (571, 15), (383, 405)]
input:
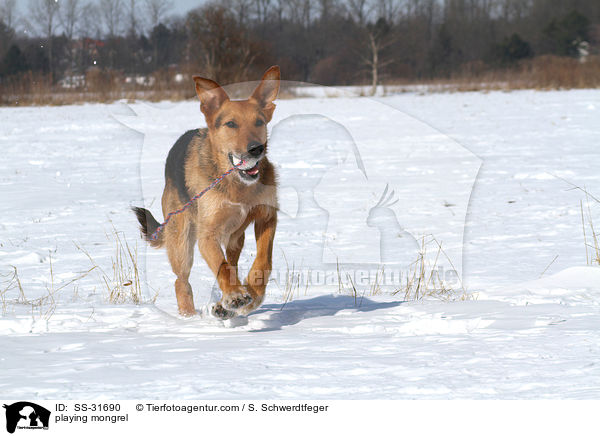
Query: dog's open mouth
[(251, 171), (248, 172)]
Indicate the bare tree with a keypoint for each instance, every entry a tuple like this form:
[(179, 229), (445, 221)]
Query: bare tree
[(69, 15), (262, 10), (112, 13), (513, 10), (132, 18), (418, 25), (359, 11), (219, 45), (388, 10), (300, 11), (8, 12), (279, 11), (156, 11), (326, 9), (7, 18), (240, 8), (44, 14), (88, 23), (378, 38)]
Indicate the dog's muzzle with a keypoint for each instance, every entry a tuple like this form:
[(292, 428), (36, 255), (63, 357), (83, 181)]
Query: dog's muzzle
[(250, 170)]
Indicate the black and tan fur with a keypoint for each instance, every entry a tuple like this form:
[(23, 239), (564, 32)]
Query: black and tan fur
[(235, 130)]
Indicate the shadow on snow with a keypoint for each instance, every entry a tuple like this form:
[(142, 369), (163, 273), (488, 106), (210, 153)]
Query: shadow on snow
[(293, 312)]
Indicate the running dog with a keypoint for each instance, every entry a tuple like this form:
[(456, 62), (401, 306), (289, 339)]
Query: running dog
[(236, 135)]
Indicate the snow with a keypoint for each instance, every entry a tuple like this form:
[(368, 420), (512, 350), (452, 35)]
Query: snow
[(489, 175)]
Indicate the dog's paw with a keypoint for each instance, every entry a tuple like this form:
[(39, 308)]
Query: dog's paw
[(256, 302), (235, 300), (218, 311)]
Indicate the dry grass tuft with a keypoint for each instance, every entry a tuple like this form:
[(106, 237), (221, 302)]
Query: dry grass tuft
[(423, 279), (43, 306), (293, 280), (592, 248), (10, 281), (122, 282)]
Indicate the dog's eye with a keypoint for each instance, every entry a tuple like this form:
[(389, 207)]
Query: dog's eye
[(259, 123), (231, 124)]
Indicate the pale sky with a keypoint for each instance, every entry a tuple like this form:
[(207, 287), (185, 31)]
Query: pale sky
[(182, 6), (179, 7)]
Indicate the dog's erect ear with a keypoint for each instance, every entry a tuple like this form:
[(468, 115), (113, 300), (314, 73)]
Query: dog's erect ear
[(211, 95), (267, 91)]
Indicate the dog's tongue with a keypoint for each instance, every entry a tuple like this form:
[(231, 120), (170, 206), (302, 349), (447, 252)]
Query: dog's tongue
[(253, 171)]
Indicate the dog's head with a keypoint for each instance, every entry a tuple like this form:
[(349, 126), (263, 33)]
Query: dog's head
[(238, 129)]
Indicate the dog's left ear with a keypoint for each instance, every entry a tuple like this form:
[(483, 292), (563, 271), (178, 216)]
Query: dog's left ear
[(267, 91)]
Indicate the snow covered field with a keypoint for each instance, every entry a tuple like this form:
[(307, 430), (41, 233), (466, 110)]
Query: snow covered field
[(487, 174)]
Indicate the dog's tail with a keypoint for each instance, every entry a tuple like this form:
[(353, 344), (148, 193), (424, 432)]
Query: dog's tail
[(148, 226)]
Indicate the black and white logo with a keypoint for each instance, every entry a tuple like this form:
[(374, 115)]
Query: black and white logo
[(26, 415)]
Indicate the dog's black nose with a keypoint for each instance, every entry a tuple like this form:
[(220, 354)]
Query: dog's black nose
[(255, 148)]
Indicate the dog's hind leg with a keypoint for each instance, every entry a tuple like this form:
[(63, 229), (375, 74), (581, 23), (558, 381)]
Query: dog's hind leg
[(180, 239)]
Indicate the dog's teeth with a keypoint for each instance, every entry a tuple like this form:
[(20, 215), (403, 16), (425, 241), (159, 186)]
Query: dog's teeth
[(236, 161)]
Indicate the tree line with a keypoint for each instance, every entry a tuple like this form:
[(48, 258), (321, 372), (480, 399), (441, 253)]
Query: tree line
[(321, 41)]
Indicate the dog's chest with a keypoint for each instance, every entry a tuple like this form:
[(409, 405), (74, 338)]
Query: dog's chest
[(232, 216)]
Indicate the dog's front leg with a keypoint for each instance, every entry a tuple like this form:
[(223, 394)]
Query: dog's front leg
[(235, 295), (264, 230)]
